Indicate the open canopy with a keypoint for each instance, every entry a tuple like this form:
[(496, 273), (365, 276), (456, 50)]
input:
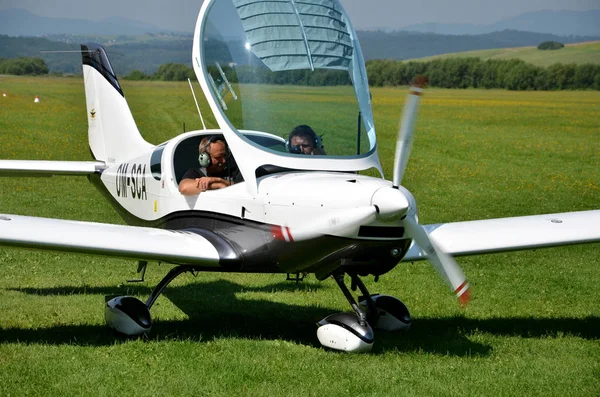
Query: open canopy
[(272, 66)]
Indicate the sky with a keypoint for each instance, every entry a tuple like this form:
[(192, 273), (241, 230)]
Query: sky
[(181, 15)]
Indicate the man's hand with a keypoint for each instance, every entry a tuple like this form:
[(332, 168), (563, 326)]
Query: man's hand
[(203, 184)]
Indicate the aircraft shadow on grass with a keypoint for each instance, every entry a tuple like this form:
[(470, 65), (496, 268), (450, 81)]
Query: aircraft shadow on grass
[(214, 311)]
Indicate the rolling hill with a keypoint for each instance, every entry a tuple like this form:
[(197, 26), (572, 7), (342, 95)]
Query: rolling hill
[(147, 52), (577, 53)]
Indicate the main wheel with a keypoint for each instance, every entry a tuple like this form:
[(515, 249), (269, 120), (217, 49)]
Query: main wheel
[(128, 315), (342, 331), (392, 313)]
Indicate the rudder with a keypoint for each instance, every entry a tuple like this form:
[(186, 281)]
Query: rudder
[(112, 132)]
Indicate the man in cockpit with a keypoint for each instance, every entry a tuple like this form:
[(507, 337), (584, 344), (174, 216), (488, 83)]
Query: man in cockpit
[(213, 172), (303, 140)]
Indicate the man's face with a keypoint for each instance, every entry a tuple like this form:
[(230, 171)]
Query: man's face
[(218, 154), (305, 144)]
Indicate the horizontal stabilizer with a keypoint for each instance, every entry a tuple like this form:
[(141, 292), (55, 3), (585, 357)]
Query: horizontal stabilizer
[(185, 247), (511, 234), (49, 168)]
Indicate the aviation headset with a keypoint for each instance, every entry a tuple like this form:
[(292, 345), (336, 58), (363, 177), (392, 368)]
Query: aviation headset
[(204, 158), (303, 130)]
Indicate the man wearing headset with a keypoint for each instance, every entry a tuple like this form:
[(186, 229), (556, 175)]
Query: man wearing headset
[(212, 173), (303, 140)]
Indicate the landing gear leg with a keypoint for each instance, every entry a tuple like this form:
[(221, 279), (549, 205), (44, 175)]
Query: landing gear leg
[(160, 287), (360, 313), (130, 316)]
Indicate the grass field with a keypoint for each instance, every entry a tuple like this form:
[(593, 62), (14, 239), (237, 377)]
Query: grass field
[(532, 328), (579, 53)]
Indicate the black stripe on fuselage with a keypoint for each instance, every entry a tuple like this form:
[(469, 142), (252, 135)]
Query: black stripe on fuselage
[(249, 246)]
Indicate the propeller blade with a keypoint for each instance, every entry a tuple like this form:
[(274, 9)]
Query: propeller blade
[(443, 262), (405, 133), (341, 223)]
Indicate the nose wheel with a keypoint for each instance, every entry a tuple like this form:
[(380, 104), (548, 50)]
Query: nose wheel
[(353, 332)]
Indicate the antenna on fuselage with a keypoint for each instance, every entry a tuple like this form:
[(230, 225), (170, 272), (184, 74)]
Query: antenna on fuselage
[(197, 106)]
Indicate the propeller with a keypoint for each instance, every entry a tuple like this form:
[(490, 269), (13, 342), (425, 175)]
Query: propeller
[(405, 133), (443, 262)]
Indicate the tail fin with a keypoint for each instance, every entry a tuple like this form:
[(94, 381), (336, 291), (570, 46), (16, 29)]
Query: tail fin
[(112, 132)]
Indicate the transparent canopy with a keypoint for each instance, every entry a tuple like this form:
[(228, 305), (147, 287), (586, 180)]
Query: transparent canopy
[(278, 64)]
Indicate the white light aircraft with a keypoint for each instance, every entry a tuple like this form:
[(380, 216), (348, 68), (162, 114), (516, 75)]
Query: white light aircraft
[(292, 213)]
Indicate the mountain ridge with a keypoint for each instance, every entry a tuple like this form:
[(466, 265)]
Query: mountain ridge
[(20, 22), (560, 23)]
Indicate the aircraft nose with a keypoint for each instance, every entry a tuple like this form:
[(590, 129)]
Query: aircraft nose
[(391, 203)]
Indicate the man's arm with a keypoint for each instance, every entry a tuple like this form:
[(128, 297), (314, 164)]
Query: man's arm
[(191, 187)]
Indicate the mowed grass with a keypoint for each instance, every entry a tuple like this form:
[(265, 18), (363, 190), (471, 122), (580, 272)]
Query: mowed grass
[(532, 327), (578, 53)]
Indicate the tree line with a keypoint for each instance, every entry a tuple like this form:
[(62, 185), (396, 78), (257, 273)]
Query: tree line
[(248, 74), (165, 72), (512, 74)]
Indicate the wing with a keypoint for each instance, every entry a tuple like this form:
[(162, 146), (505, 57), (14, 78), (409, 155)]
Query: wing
[(49, 168), (510, 234), (194, 247)]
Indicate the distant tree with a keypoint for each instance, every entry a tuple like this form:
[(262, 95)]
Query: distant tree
[(23, 66), (597, 82), (454, 72), (521, 77), (379, 71), (585, 75), (489, 74), (542, 80), (561, 76), (137, 75), (550, 45), (173, 72), (414, 69)]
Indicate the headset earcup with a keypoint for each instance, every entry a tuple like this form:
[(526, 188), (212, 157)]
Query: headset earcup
[(204, 159), (318, 142)]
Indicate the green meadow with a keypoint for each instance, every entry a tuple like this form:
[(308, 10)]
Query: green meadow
[(532, 327), (579, 53)]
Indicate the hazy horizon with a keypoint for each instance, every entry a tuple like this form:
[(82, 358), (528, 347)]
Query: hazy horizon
[(393, 14)]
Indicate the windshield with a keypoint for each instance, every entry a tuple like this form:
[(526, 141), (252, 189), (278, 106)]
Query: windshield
[(290, 68)]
